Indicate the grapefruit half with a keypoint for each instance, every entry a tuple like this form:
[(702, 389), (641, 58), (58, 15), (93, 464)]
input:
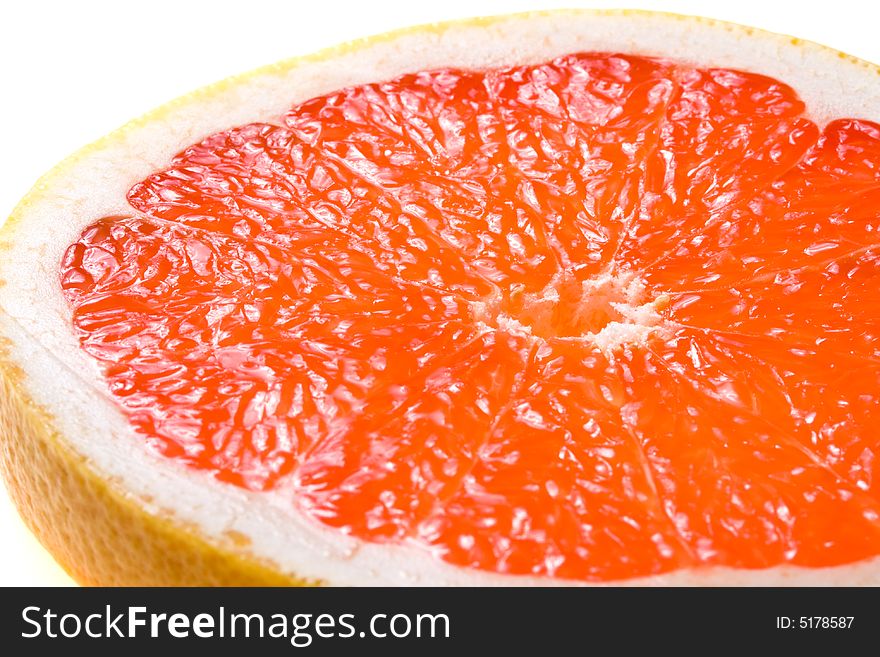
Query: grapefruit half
[(567, 297)]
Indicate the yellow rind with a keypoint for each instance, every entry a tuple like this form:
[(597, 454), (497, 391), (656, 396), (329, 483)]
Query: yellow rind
[(98, 532)]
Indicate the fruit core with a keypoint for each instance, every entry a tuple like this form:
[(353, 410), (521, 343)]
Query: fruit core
[(608, 311)]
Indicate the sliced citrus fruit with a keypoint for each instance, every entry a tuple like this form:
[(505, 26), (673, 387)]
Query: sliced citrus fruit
[(563, 297)]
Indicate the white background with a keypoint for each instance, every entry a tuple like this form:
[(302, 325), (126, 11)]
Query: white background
[(72, 71)]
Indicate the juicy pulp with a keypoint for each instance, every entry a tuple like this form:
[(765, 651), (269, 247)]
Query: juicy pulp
[(597, 318)]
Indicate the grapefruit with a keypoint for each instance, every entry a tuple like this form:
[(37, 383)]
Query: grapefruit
[(566, 297)]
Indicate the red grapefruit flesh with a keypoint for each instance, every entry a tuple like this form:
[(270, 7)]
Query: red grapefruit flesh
[(598, 318)]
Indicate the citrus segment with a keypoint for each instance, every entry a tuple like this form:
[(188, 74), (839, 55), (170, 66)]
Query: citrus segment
[(595, 318), (526, 170), (560, 487), (259, 183), (222, 351), (821, 209), (740, 479), (414, 446)]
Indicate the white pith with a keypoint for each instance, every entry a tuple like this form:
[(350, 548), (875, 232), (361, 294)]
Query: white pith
[(61, 378)]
